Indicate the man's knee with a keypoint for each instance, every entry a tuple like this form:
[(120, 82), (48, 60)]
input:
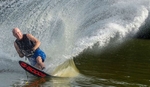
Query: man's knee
[(39, 59)]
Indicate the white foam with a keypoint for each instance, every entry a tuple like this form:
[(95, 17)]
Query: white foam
[(66, 28)]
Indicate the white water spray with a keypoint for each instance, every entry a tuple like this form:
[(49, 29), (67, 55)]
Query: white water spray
[(67, 27)]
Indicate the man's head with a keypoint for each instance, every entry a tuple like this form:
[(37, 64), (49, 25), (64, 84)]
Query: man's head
[(17, 33)]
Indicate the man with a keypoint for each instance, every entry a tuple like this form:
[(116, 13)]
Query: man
[(28, 46)]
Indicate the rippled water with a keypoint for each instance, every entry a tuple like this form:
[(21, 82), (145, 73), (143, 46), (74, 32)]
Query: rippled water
[(95, 34)]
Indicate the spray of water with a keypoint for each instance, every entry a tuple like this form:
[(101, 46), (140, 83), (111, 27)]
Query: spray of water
[(67, 27)]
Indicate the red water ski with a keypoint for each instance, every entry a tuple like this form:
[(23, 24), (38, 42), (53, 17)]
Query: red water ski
[(34, 71)]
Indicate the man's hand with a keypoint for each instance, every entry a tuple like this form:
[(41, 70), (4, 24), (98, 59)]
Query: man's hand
[(21, 54)]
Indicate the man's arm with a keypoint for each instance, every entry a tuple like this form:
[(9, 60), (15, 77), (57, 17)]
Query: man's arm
[(35, 40), (18, 50)]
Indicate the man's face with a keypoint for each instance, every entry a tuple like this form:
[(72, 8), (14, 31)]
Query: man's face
[(17, 33)]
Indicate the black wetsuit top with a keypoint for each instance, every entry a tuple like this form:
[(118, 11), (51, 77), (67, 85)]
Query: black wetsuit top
[(25, 45)]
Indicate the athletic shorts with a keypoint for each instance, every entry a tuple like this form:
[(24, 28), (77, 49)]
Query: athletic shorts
[(38, 52)]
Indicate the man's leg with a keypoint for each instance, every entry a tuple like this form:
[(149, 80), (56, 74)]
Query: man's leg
[(40, 64)]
